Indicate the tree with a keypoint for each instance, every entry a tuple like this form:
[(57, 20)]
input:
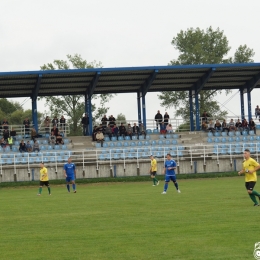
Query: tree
[(197, 46), (73, 106), (8, 107), (121, 119)]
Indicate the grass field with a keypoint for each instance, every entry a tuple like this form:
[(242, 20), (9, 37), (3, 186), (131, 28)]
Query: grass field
[(210, 219)]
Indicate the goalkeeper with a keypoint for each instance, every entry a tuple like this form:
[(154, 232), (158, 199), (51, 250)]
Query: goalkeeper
[(153, 170), (44, 179)]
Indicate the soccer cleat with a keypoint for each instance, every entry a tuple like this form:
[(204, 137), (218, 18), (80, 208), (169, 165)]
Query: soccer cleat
[(164, 192), (153, 185), (256, 205), (157, 183), (50, 194), (178, 191), (74, 191), (38, 194)]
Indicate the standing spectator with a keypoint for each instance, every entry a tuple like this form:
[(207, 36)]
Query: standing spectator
[(22, 147), (218, 125), (158, 119), (142, 130), (62, 123), (28, 147), (100, 137), (5, 124), (104, 120), (47, 123), (55, 130), (239, 126), (163, 128), (33, 133), (136, 130), (10, 141), (257, 111), (169, 129), (225, 127), (252, 125), (122, 130), (6, 134), (112, 121), (115, 131), (52, 139), (166, 118), (59, 139), (205, 116), (55, 121), (36, 146), (13, 134), (109, 132), (245, 125), (129, 131), (94, 133), (231, 125), (211, 126), (85, 123), (26, 123)]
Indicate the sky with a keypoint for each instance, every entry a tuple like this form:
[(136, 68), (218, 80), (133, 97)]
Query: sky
[(120, 34)]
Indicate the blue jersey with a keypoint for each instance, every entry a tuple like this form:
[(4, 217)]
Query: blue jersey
[(170, 163), (69, 169)]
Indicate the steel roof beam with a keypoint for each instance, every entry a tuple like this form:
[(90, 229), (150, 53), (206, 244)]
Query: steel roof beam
[(93, 84), (36, 89), (252, 83), (198, 86), (148, 83)]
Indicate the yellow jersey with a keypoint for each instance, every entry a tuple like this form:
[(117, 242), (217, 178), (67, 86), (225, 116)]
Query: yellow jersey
[(250, 164), (153, 165), (44, 174)]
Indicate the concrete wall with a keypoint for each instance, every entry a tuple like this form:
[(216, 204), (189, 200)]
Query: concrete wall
[(21, 173)]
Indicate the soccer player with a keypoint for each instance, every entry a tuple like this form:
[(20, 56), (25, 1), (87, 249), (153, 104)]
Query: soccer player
[(153, 170), (250, 166), (44, 179), (70, 174), (169, 171)]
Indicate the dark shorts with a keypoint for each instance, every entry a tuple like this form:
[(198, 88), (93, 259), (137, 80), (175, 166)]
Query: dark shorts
[(153, 173), (250, 185), (70, 178), (46, 183), (170, 178)]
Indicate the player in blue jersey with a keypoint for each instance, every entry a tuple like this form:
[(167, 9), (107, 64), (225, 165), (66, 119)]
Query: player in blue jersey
[(70, 174), (169, 171)]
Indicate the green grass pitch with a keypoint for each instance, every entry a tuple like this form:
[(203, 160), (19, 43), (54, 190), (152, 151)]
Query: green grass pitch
[(210, 219)]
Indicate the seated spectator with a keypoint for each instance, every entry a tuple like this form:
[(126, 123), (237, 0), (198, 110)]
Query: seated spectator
[(211, 126), (26, 123), (52, 139), (204, 126), (59, 139), (47, 123), (104, 120), (6, 134), (163, 128), (10, 141), (245, 125), (251, 125), (62, 123), (13, 134), (55, 121), (3, 143), (22, 147), (231, 125), (5, 124), (142, 130), (55, 130), (33, 133), (94, 133), (36, 146), (217, 125), (112, 121), (102, 128), (169, 129), (129, 131), (115, 131), (122, 130), (225, 126), (205, 116), (28, 147), (239, 126), (136, 130), (109, 132), (100, 137)]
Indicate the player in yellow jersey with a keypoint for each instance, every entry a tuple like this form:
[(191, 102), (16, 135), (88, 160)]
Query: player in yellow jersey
[(250, 166), (153, 170), (44, 179)]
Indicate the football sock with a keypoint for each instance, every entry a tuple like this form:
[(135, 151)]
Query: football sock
[(68, 187), (155, 180), (49, 189), (74, 186), (165, 186), (40, 190), (255, 193), (176, 185), (253, 198)]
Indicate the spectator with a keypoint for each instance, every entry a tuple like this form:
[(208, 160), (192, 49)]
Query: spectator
[(204, 126), (205, 116), (62, 123), (136, 130), (52, 139), (257, 112), (85, 123), (169, 129), (163, 128), (245, 125), (166, 118), (55, 130), (36, 146), (158, 119), (109, 132), (94, 133), (231, 125), (3, 143), (47, 123), (104, 120), (251, 125), (217, 125), (112, 121), (22, 147), (129, 131), (142, 130), (6, 134), (100, 137), (59, 139), (239, 126), (10, 141), (122, 130), (26, 123), (211, 126), (115, 131), (102, 128), (13, 134), (225, 127), (28, 147), (5, 124), (55, 121), (33, 133)]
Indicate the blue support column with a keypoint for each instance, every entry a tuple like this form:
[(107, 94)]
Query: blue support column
[(197, 111), (139, 108), (191, 111), (249, 103), (88, 110), (144, 110), (34, 114), (242, 105)]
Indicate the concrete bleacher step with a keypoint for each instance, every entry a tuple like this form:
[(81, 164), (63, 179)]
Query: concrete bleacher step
[(81, 142)]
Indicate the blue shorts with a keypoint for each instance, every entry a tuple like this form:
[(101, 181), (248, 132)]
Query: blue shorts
[(168, 178), (70, 178)]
